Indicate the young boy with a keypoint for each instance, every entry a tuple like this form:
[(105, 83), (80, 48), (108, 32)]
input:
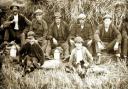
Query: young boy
[(31, 54), (80, 56)]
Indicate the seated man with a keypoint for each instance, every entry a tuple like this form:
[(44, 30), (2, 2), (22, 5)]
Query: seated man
[(15, 26), (58, 34), (83, 29), (107, 37), (31, 54), (39, 26)]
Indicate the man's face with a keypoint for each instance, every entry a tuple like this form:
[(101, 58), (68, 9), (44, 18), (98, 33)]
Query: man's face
[(81, 21), (15, 10), (39, 16), (57, 20), (107, 22)]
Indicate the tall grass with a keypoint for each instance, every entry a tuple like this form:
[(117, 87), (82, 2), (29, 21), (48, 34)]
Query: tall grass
[(104, 76)]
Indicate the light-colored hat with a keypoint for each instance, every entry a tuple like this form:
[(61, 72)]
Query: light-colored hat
[(57, 14), (30, 33), (14, 5), (120, 3), (38, 11), (78, 39), (107, 16), (82, 16)]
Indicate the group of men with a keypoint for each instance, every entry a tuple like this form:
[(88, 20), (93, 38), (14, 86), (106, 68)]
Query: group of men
[(105, 37)]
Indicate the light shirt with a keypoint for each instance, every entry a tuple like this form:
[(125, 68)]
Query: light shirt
[(79, 55), (16, 22), (58, 26), (106, 29), (82, 26)]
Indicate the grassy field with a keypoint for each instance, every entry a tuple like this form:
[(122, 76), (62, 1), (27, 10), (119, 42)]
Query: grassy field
[(112, 75)]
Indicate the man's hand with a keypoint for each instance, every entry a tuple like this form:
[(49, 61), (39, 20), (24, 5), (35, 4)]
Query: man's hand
[(7, 23), (100, 46), (55, 41), (89, 43), (116, 46)]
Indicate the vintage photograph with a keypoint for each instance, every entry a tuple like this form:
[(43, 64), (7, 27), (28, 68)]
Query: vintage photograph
[(63, 44)]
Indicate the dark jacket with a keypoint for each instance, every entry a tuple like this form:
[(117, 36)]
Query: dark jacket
[(22, 22), (60, 34), (124, 29), (40, 28), (33, 51), (112, 34), (10, 33), (86, 33)]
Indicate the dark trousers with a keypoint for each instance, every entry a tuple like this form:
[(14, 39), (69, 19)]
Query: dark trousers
[(124, 47), (109, 47), (14, 35)]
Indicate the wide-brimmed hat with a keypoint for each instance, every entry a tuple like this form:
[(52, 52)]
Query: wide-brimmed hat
[(81, 16), (14, 5), (107, 16), (57, 14), (38, 11), (78, 40)]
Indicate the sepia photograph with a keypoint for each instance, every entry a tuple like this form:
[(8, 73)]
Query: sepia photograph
[(63, 44)]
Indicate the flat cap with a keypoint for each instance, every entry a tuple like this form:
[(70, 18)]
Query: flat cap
[(82, 16), (78, 39), (57, 14), (38, 11)]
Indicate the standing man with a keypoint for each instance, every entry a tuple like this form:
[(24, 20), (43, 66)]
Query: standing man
[(83, 29), (58, 34), (107, 37), (15, 26)]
